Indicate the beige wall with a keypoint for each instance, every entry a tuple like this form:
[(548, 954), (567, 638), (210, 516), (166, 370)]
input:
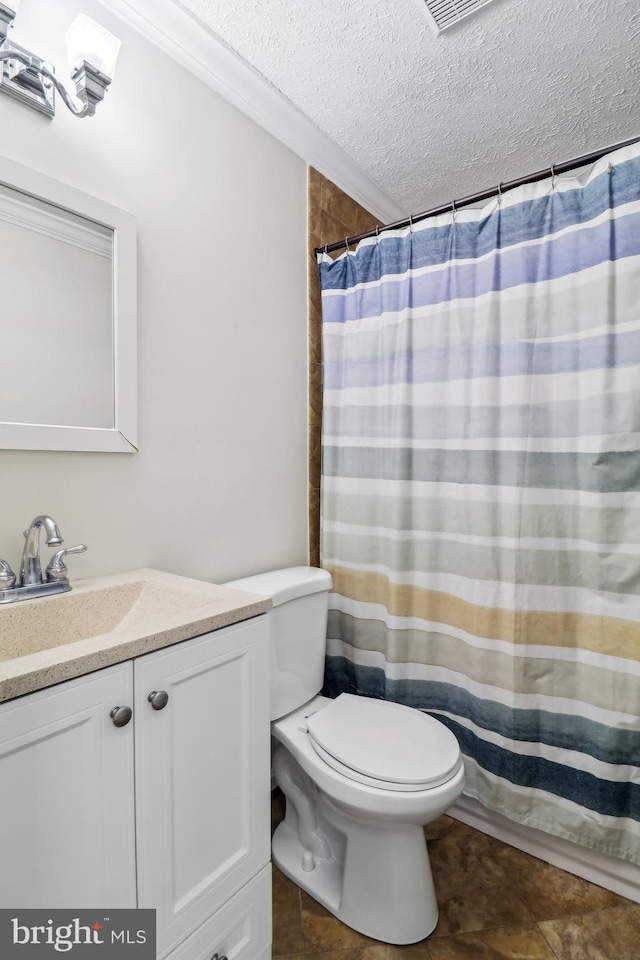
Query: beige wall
[(333, 215), (219, 486)]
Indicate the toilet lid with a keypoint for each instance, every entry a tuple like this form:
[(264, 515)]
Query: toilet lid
[(385, 744)]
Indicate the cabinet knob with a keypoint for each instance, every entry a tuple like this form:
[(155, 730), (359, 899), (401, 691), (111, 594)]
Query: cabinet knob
[(158, 700), (121, 716)]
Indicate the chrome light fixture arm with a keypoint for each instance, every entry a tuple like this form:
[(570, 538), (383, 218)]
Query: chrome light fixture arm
[(27, 78), (90, 83), (12, 53)]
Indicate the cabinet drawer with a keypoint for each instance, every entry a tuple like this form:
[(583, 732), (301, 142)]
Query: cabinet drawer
[(239, 930)]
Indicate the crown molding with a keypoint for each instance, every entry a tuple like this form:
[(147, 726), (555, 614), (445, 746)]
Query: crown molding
[(187, 41)]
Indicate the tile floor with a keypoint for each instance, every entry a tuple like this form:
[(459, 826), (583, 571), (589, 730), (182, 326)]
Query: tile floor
[(496, 903)]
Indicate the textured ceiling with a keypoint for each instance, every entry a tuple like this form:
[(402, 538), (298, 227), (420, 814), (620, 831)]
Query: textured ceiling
[(518, 86)]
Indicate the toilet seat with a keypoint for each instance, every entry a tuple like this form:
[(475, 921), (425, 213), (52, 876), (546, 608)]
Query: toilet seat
[(384, 744)]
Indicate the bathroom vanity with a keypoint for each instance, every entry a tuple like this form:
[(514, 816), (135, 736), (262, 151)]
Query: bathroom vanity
[(135, 762)]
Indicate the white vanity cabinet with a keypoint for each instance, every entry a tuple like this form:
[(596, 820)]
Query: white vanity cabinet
[(66, 796), (169, 811)]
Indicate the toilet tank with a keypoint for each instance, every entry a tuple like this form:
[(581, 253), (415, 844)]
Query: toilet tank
[(297, 632)]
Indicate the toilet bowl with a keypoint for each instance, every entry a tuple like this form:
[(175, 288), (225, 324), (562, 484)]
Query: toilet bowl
[(361, 777)]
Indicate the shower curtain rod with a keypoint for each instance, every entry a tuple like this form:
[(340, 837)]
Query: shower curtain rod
[(554, 170)]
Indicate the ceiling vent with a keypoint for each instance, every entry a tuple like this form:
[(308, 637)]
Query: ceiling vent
[(443, 14)]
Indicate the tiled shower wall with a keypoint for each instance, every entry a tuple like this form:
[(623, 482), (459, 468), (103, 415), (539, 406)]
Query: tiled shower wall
[(332, 216)]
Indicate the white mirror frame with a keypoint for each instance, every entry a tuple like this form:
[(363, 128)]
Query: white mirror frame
[(123, 437)]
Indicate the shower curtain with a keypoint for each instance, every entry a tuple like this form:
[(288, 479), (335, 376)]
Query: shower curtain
[(481, 491)]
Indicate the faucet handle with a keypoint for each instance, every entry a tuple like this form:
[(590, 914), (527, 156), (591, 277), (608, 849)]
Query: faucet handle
[(7, 576), (57, 569)]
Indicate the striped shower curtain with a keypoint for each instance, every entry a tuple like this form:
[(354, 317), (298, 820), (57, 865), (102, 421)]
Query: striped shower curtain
[(481, 491)]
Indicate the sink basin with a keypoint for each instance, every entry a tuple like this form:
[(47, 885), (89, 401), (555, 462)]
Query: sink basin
[(108, 620), (53, 621)]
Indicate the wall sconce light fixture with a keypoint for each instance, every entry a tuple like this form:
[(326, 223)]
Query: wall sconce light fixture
[(92, 53)]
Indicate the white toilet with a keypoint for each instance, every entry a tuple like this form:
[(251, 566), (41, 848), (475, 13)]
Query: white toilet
[(361, 776)]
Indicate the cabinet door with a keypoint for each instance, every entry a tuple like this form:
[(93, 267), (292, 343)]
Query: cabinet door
[(202, 775), (66, 796)]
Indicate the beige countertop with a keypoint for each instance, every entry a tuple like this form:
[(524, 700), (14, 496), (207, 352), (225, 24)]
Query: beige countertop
[(109, 619)]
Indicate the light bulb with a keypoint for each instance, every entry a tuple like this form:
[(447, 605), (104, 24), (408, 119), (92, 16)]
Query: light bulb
[(88, 41)]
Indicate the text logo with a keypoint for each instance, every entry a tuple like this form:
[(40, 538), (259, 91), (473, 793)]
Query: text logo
[(79, 934)]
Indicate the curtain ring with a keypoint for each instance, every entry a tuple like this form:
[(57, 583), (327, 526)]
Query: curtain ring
[(326, 249), (346, 243), (499, 194), (609, 167), (453, 210), (554, 176), (377, 234), (410, 223)]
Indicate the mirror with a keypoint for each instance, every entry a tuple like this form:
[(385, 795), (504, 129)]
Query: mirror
[(68, 343)]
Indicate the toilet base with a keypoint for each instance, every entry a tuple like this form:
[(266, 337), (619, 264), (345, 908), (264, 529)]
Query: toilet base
[(377, 882)]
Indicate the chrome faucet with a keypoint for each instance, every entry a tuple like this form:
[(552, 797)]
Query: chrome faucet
[(30, 582), (30, 570)]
